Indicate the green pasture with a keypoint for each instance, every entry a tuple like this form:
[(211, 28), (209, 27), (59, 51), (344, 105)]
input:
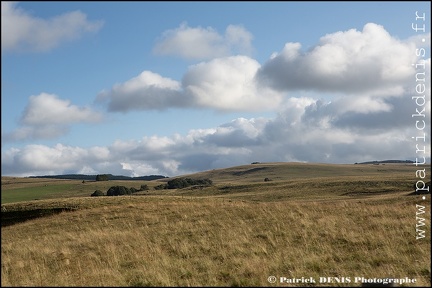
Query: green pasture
[(34, 193)]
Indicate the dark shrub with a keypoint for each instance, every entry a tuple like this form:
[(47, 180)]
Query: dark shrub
[(118, 190), (133, 190), (144, 187), (178, 183), (97, 193), (160, 187)]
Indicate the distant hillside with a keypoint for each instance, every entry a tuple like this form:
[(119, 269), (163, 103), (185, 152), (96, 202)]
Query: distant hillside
[(93, 177), (268, 181), (386, 162), (289, 171)]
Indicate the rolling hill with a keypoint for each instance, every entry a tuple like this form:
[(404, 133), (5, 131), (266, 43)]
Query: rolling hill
[(306, 220)]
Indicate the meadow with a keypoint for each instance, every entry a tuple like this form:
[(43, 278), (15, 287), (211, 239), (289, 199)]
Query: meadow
[(309, 220)]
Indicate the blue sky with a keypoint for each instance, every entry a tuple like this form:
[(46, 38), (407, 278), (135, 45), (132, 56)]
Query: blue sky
[(139, 88)]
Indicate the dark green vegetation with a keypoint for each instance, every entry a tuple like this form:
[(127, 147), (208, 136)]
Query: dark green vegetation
[(120, 190), (179, 183)]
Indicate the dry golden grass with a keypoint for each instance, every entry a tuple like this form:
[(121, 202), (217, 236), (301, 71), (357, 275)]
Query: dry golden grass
[(174, 241), (310, 221)]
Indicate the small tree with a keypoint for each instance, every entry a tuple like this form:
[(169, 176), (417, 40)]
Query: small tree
[(144, 187)]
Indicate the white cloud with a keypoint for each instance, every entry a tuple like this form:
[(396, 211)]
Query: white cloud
[(229, 84), (226, 84), (146, 91), (46, 159), (47, 116), (22, 31), (45, 109), (347, 62), (239, 39), (204, 43)]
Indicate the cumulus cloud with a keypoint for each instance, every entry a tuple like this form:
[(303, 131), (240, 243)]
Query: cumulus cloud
[(23, 31), (228, 84), (225, 84), (47, 108), (347, 62), (47, 116), (146, 91), (204, 43)]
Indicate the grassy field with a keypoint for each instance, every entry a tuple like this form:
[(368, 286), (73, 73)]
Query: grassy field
[(288, 181), (26, 189), (311, 220)]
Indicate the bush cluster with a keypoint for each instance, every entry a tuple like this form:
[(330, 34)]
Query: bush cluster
[(186, 182), (179, 183), (119, 190), (176, 183)]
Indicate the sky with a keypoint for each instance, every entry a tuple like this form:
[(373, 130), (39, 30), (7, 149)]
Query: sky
[(172, 88)]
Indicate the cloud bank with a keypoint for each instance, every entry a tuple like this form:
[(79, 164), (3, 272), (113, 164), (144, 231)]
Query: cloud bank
[(306, 130), (367, 76)]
